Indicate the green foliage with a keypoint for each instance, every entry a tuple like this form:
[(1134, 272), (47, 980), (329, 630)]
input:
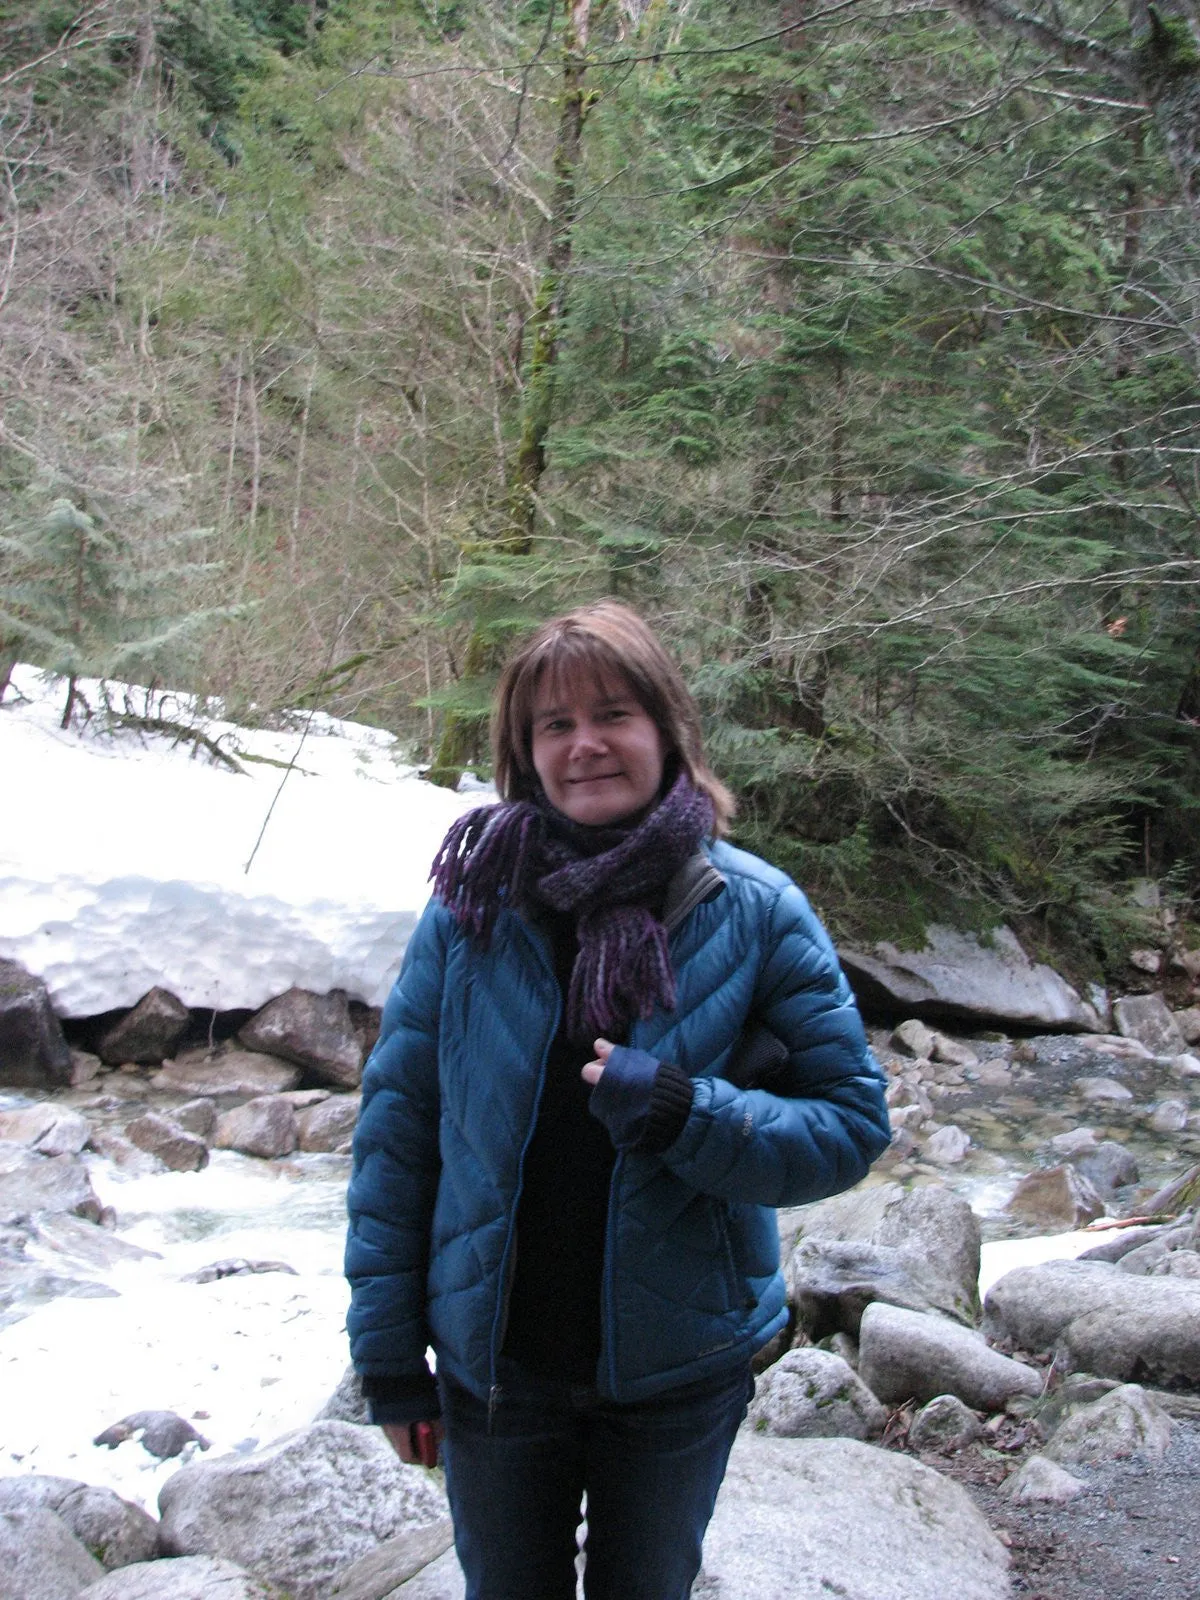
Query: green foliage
[(77, 600)]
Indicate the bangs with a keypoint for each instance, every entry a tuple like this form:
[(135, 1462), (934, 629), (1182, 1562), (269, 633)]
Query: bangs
[(565, 656)]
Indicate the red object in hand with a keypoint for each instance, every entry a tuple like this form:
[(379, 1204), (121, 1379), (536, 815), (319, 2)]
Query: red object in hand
[(425, 1441)]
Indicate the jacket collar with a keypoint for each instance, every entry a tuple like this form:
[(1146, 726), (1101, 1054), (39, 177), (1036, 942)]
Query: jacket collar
[(696, 880)]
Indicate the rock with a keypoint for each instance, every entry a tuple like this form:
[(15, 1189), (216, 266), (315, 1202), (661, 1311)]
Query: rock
[(314, 1031), (1101, 1089), (198, 1117), (953, 1052), (1056, 1198), (375, 1575), (802, 1519), (1039, 1479), (1108, 1167), (300, 1510), (328, 1126), (301, 1099), (346, 1403), (913, 1038), (41, 1559), (122, 1152), (263, 1127), (85, 1243), (1075, 1142), (441, 1580), (84, 1067), (1146, 960), (1145, 1017), (243, 1072), (186, 1578), (51, 1129), (1179, 1264), (148, 1033), (234, 1267), (162, 1137), (31, 1183), (1099, 1319), (813, 1394), (1120, 1242), (1126, 1422), (33, 1052), (1169, 1116), (1189, 961), (1185, 1066), (115, 1531), (919, 1250), (956, 975), (947, 1146), (1180, 1194), (161, 1433), (944, 1424), (911, 1355), (1188, 1023)]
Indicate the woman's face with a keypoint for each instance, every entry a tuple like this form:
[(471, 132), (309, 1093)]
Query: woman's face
[(598, 752)]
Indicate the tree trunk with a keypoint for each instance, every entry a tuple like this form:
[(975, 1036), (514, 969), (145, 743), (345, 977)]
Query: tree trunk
[(543, 329)]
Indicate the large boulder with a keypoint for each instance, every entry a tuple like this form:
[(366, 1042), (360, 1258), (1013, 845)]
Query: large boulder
[(1058, 1199), (1125, 1422), (185, 1578), (958, 976), (162, 1137), (814, 1394), (31, 1183), (909, 1355), (1098, 1318), (148, 1033), (262, 1127), (50, 1129), (240, 1072), (807, 1519), (1146, 1018), (33, 1051), (329, 1125), (114, 1531), (919, 1250), (301, 1509), (41, 1559), (314, 1031)]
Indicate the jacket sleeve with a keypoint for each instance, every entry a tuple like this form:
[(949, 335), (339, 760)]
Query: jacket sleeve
[(396, 1165), (825, 1118)]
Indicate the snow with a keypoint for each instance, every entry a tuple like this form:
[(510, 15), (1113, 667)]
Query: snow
[(129, 860)]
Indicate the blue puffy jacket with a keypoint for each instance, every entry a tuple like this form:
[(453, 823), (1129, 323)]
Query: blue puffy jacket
[(691, 1282)]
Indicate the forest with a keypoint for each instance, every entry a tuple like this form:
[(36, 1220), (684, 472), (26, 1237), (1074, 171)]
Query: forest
[(856, 342)]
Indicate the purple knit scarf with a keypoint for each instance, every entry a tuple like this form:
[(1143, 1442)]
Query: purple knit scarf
[(525, 852)]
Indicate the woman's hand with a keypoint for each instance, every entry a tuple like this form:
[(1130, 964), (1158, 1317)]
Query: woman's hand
[(405, 1441), (603, 1049)]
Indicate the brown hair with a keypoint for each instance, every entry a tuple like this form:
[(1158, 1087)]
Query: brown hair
[(601, 638)]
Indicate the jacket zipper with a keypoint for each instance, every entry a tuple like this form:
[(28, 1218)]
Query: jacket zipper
[(509, 1262)]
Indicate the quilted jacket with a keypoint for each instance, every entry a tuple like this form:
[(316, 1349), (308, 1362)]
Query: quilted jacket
[(691, 1282)]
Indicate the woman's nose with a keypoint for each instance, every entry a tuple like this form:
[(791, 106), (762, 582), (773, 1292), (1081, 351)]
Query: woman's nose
[(587, 741)]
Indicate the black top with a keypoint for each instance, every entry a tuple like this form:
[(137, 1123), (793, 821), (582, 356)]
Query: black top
[(554, 1306)]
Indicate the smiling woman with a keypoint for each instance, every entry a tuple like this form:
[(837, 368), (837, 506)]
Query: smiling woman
[(553, 1068)]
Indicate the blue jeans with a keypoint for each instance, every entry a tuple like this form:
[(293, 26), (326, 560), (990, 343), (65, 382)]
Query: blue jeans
[(650, 1471)]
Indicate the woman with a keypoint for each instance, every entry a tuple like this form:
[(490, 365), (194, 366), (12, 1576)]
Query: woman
[(615, 1045)]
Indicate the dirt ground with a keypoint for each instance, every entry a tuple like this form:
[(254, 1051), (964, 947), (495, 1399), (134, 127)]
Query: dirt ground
[(1133, 1534)]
